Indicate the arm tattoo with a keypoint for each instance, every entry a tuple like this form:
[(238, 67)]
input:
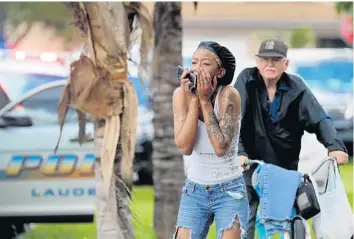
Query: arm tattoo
[(224, 130), (180, 118), (213, 128), (229, 118)]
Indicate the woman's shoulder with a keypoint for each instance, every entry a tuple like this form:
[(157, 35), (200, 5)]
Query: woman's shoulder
[(180, 95), (230, 91), (178, 92)]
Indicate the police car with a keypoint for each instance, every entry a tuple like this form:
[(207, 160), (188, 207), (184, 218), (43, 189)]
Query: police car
[(38, 185)]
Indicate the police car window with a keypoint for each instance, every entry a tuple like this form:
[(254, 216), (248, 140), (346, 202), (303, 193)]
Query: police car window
[(42, 107)]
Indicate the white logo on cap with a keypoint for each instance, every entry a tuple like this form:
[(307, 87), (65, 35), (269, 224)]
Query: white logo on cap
[(269, 45)]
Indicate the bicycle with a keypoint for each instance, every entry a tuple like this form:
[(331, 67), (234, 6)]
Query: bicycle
[(297, 225)]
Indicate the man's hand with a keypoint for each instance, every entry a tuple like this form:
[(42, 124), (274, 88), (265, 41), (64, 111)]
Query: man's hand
[(341, 157), (243, 159)]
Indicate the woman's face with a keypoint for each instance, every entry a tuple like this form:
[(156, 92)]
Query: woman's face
[(205, 59)]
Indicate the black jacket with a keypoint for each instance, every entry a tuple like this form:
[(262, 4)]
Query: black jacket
[(280, 143)]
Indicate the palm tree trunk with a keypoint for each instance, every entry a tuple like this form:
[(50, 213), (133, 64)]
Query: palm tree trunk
[(99, 86), (167, 160), (113, 215)]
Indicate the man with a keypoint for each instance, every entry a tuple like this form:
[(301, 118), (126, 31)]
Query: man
[(276, 109)]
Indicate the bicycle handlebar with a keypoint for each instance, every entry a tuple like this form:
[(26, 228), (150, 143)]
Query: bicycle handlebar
[(256, 161), (253, 161)]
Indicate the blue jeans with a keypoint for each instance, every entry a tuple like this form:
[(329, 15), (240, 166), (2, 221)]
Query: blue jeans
[(201, 204), (277, 188)]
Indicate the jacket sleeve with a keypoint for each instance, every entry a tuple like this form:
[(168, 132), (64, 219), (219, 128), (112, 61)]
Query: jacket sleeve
[(317, 121), (240, 85)]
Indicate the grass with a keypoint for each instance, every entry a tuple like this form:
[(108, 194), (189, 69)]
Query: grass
[(142, 207)]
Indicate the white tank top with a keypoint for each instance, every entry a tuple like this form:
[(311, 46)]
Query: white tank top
[(203, 166)]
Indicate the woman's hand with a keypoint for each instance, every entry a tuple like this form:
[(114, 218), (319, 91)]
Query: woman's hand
[(205, 85), (186, 84)]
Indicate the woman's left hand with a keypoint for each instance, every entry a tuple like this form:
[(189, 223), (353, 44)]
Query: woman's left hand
[(205, 85)]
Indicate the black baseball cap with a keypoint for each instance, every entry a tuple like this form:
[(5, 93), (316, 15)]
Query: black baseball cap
[(272, 48)]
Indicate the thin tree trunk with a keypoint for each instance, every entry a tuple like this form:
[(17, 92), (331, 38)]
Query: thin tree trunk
[(99, 86), (113, 215), (167, 160)]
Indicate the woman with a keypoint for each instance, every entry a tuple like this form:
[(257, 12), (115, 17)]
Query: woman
[(206, 128)]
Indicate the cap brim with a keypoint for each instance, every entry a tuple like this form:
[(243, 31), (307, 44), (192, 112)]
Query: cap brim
[(270, 54)]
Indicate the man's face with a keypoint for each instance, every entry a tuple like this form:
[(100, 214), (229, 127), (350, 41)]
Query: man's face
[(271, 68)]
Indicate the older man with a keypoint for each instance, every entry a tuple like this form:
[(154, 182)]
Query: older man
[(276, 109)]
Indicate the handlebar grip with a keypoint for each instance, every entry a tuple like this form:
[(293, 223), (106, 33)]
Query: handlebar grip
[(253, 161)]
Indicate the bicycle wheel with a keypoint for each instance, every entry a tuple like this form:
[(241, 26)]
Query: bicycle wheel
[(298, 230)]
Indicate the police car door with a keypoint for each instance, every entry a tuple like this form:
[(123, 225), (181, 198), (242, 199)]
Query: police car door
[(33, 180)]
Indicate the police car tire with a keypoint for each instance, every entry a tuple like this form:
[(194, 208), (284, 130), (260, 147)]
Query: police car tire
[(7, 231)]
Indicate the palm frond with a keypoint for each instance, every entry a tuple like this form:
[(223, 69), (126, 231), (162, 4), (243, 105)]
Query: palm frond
[(141, 35)]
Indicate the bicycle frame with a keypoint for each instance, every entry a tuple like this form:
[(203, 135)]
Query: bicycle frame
[(261, 232), (259, 226)]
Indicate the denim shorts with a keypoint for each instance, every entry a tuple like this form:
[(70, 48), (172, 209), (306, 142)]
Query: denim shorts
[(201, 204)]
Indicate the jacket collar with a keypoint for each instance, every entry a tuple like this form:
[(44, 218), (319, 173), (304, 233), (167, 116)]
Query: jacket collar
[(289, 83)]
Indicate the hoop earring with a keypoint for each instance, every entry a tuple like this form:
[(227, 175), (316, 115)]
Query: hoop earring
[(221, 74)]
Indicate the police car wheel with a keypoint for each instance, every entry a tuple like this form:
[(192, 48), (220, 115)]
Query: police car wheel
[(7, 231)]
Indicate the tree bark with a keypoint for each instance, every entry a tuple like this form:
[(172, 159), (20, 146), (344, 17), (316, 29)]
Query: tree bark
[(167, 161), (113, 215), (99, 86)]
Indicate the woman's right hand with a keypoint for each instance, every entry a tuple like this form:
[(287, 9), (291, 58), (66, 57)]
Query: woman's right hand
[(185, 82)]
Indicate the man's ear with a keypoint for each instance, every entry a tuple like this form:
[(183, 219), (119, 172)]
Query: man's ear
[(286, 64), (221, 73)]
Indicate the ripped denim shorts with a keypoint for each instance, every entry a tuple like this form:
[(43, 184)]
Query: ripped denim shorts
[(227, 203)]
